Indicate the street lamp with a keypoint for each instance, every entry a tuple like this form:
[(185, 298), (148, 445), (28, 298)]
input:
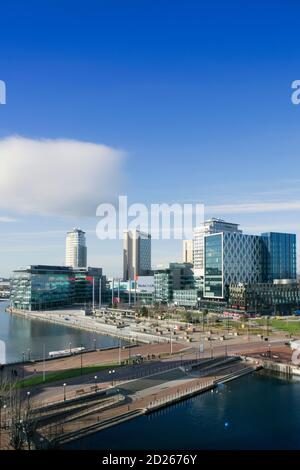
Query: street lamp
[(4, 408), (70, 346), (28, 398), (111, 372), (96, 388), (23, 356), (65, 392)]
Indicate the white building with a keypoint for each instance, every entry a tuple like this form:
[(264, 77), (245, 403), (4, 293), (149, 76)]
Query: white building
[(187, 251), (136, 254), (209, 226), (76, 250)]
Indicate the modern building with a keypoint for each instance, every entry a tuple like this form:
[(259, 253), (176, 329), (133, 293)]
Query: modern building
[(177, 276), (278, 256), (138, 292), (210, 226), (136, 254), (76, 250), (230, 258), (4, 289), (186, 298), (90, 286), (280, 296), (42, 287), (187, 251)]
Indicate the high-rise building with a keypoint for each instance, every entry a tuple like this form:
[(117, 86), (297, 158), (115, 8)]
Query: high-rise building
[(230, 258), (278, 256), (76, 250), (187, 251), (209, 226), (136, 254)]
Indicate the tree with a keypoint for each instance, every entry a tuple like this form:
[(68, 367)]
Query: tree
[(144, 311)]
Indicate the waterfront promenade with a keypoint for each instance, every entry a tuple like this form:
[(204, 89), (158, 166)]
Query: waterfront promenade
[(139, 396)]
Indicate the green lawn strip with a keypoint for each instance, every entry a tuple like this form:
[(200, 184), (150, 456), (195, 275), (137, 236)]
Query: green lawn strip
[(281, 324), (285, 325), (64, 374)]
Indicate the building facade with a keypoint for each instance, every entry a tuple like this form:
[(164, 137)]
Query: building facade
[(186, 298), (177, 276), (208, 227), (278, 256), (136, 254), (230, 258), (76, 250), (188, 251), (277, 297), (41, 287)]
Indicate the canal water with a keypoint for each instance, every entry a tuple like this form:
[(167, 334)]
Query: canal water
[(257, 411), (21, 334)]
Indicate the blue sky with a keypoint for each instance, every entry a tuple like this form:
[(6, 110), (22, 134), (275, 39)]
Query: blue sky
[(195, 94)]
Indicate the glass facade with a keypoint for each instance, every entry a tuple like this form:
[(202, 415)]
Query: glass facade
[(186, 297), (51, 287), (265, 297), (42, 288), (213, 249), (178, 276), (278, 256)]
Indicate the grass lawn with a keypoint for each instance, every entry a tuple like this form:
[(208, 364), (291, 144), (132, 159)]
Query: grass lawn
[(283, 324), (292, 327), (63, 374)]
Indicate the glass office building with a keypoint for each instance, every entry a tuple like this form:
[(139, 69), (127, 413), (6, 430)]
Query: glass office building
[(213, 266), (278, 256), (42, 287), (177, 276), (230, 258), (266, 298)]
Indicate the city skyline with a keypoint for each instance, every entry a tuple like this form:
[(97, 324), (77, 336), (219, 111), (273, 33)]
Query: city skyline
[(187, 114)]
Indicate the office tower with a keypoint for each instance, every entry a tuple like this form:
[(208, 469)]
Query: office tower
[(278, 256), (187, 251), (209, 226), (136, 254), (76, 251), (230, 258)]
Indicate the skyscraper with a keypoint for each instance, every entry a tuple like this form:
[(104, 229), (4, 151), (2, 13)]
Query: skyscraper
[(136, 254), (278, 256), (209, 226), (76, 250), (187, 251)]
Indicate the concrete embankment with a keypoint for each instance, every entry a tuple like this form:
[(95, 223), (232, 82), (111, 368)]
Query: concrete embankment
[(91, 324), (279, 367)]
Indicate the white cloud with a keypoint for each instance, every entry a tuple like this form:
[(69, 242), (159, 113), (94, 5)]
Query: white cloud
[(57, 177), (5, 219), (254, 207)]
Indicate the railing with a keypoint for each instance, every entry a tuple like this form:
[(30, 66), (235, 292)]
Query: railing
[(180, 394)]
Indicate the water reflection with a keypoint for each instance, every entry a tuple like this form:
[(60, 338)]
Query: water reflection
[(23, 335)]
